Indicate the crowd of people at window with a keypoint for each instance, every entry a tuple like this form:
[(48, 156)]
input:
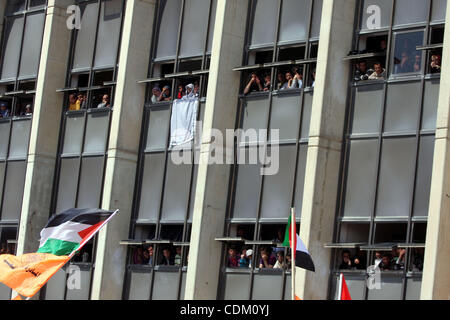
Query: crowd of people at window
[(191, 90), (79, 102), (385, 261), (5, 112), (269, 258), (145, 256), (7, 248), (291, 79)]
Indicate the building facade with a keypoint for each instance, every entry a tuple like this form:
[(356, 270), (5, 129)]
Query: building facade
[(350, 103)]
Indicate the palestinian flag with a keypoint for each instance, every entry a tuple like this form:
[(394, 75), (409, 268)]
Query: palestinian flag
[(302, 257), (70, 230)]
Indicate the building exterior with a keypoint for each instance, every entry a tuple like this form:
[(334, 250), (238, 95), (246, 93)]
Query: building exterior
[(363, 156)]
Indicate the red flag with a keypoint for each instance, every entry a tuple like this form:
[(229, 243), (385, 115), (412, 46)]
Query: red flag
[(345, 293)]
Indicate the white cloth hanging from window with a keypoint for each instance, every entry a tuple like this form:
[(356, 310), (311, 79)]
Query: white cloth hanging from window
[(183, 122)]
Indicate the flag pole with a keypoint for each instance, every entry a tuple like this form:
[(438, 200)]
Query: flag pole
[(340, 286), (293, 237)]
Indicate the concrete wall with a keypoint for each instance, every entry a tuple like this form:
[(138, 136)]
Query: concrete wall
[(436, 275), (325, 144), (123, 148)]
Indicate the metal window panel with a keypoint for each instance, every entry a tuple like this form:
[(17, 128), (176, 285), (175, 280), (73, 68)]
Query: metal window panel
[(168, 28), (413, 288), (20, 137), (4, 133), (193, 192), (300, 181), (285, 117), (411, 11), (35, 3), (405, 47), (84, 49), (368, 108), (176, 192), (13, 192), (396, 177), (151, 188), (294, 20), (316, 18), (56, 286), (424, 173), (108, 34), (430, 105), (356, 285), (255, 117), (183, 285), (212, 24), (32, 42), (385, 13), (247, 189), (391, 289), (237, 286), (11, 46), (5, 292), (140, 285), (306, 116), (90, 187), (158, 129), (288, 288), (267, 287), (68, 182), (195, 24), (73, 136), (402, 107), (439, 10), (2, 177), (96, 133), (165, 286), (14, 6), (361, 179), (83, 292), (277, 191), (264, 24)]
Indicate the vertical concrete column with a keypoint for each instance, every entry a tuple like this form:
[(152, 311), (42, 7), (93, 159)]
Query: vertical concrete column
[(123, 148), (436, 278), (45, 127), (212, 181), (325, 144)]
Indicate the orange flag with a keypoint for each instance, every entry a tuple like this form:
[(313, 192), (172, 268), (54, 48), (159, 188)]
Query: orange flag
[(28, 273)]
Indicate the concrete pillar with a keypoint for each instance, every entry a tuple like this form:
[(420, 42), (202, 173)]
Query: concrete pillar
[(123, 148), (436, 278), (325, 144), (44, 136), (212, 181)]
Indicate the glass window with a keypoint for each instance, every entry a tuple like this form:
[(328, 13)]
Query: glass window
[(212, 23), (276, 200), (13, 192), (81, 293), (158, 129), (403, 107), (73, 136), (368, 109), (195, 24), (55, 286), (411, 11), (165, 290), (439, 10), (11, 47), (237, 286), (301, 171), (373, 9), (68, 181), (14, 6), (391, 289), (108, 34), (316, 20), (396, 177), (431, 101), (425, 170), (34, 30), (267, 287), (86, 36), (151, 186), (4, 133), (140, 285), (413, 289), (168, 28), (406, 58), (90, 187), (20, 137), (264, 24), (362, 173), (96, 133), (285, 117), (294, 20), (255, 117), (176, 192), (35, 3), (2, 177)]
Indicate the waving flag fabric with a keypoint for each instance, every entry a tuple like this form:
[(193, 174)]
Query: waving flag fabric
[(302, 257), (68, 231), (62, 237)]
